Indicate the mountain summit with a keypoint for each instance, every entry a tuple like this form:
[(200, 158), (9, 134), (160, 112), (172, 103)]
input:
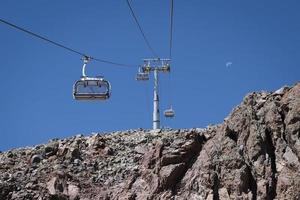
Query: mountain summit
[(253, 154)]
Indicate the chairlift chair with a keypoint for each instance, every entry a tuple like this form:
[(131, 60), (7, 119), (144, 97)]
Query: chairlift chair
[(142, 76), (169, 113), (91, 88), (88, 88), (166, 68)]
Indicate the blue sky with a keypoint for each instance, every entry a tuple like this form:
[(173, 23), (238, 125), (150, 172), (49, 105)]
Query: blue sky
[(260, 38)]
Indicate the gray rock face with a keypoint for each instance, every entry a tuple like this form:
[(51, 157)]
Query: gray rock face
[(254, 154)]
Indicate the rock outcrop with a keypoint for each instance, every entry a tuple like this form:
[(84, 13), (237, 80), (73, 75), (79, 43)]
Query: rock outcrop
[(253, 154)]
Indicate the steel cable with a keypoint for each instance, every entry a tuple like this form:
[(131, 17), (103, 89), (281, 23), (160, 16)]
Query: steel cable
[(171, 28), (141, 30), (61, 45)]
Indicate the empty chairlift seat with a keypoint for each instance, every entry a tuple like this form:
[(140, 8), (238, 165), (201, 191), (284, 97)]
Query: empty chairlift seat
[(142, 75), (169, 113), (91, 88)]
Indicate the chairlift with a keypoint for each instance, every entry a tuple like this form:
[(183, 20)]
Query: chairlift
[(91, 88), (169, 113), (166, 67), (142, 76)]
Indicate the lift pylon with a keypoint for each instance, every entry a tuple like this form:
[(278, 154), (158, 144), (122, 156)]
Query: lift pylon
[(156, 65)]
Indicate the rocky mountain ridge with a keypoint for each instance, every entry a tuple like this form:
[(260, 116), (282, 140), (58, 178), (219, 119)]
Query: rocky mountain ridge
[(253, 154)]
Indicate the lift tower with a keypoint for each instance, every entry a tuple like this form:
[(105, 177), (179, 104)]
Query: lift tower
[(155, 65)]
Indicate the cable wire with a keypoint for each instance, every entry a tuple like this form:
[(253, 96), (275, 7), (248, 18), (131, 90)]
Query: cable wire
[(171, 27), (141, 30), (60, 45), (112, 63), (170, 52)]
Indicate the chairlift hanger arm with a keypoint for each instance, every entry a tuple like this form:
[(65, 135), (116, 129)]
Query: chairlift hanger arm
[(83, 67)]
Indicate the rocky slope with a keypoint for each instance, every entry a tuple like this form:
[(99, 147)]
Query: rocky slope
[(254, 154)]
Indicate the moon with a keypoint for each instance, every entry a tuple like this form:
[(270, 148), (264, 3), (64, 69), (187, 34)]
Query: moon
[(228, 64)]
